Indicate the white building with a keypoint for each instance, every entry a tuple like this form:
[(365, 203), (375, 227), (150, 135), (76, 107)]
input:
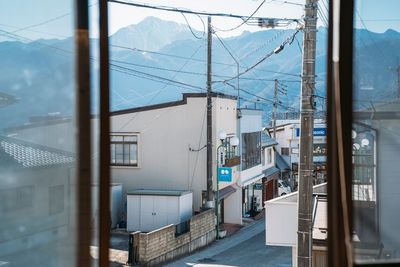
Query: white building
[(36, 200), (288, 138), (163, 147), (281, 224), (251, 174)]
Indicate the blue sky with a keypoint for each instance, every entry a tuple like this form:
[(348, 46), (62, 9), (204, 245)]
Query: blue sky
[(378, 16)]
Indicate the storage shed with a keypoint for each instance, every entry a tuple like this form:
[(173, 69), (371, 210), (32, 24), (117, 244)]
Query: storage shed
[(148, 210)]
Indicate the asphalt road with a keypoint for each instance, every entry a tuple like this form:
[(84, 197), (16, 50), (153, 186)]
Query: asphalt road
[(244, 249)]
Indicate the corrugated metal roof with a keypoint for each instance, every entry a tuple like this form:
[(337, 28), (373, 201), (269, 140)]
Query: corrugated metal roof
[(30, 155)]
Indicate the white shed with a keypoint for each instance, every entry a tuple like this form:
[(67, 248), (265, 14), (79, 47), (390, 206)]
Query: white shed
[(148, 210)]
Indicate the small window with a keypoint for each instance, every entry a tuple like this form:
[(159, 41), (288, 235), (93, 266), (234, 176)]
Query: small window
[(124, 150), (16, 198), (285, 151), (251, 150), (56, 199)]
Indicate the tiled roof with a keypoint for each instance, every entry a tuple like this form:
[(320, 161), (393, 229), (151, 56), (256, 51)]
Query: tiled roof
[(30, 155)]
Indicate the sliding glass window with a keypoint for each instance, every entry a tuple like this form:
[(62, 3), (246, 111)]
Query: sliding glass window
[(38, 184), (376, 131)]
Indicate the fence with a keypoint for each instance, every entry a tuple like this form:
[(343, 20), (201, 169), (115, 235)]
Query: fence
[(169, 242)]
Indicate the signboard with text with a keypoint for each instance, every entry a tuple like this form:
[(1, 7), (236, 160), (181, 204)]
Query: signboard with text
[(224, 174), (316, 132), (318, 150)]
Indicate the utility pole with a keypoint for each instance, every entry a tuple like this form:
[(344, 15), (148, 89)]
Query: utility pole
[(305, 194), (275, 106), (210, 193)]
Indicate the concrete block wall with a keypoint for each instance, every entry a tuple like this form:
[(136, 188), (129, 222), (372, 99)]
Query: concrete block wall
[(162, 245)]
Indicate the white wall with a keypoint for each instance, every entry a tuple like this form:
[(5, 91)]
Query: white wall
[(265, 153), (233, 208), (27, 227), (165, 136), (251, 121), (286, 137), (388, 182), (185, 207), (281, 223)]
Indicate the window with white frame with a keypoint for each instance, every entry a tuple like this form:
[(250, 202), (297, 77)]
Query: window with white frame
[(124, 149)]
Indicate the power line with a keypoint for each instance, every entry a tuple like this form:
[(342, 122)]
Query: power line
[(245, 20), (47, 21), (193, 72), (190, 27), (289, 40), (188, 11), (134, 49)]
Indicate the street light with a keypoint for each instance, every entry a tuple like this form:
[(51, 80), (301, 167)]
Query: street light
[(234, 142)]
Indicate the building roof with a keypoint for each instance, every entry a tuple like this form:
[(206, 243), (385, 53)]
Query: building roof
[(27, 155), (227, 191), (171, 104), (266, 140), (280, 162), (158, 192), (270, 171)]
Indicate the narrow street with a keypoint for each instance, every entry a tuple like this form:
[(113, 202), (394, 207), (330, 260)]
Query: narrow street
[(244, 248)]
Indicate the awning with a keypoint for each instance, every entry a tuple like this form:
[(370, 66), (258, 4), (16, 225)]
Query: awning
[(227, 191), (252, 180), (270, 171), (281, 163)]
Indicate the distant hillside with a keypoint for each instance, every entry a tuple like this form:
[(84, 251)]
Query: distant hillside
[(39, 74)]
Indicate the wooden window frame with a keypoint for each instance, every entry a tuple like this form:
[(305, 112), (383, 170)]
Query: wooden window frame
[(339, 141)]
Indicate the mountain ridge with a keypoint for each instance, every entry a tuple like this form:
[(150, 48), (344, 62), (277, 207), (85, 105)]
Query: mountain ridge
[(29, 68)]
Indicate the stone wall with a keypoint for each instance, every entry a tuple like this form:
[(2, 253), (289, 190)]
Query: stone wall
[(163, 244)]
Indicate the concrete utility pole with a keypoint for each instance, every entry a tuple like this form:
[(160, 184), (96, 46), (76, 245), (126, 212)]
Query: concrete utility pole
[(210, 193), (275, 106), (305, 195)]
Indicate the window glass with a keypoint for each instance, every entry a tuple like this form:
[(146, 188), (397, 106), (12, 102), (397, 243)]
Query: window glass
[(124, 150), (116, 138), (130, 138), (251, 150), (133, 154), (38, 186), (375, 133), (119, 153)]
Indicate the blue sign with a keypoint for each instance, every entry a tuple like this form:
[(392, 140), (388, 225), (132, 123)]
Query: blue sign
[(316, 132), (224, 174)]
